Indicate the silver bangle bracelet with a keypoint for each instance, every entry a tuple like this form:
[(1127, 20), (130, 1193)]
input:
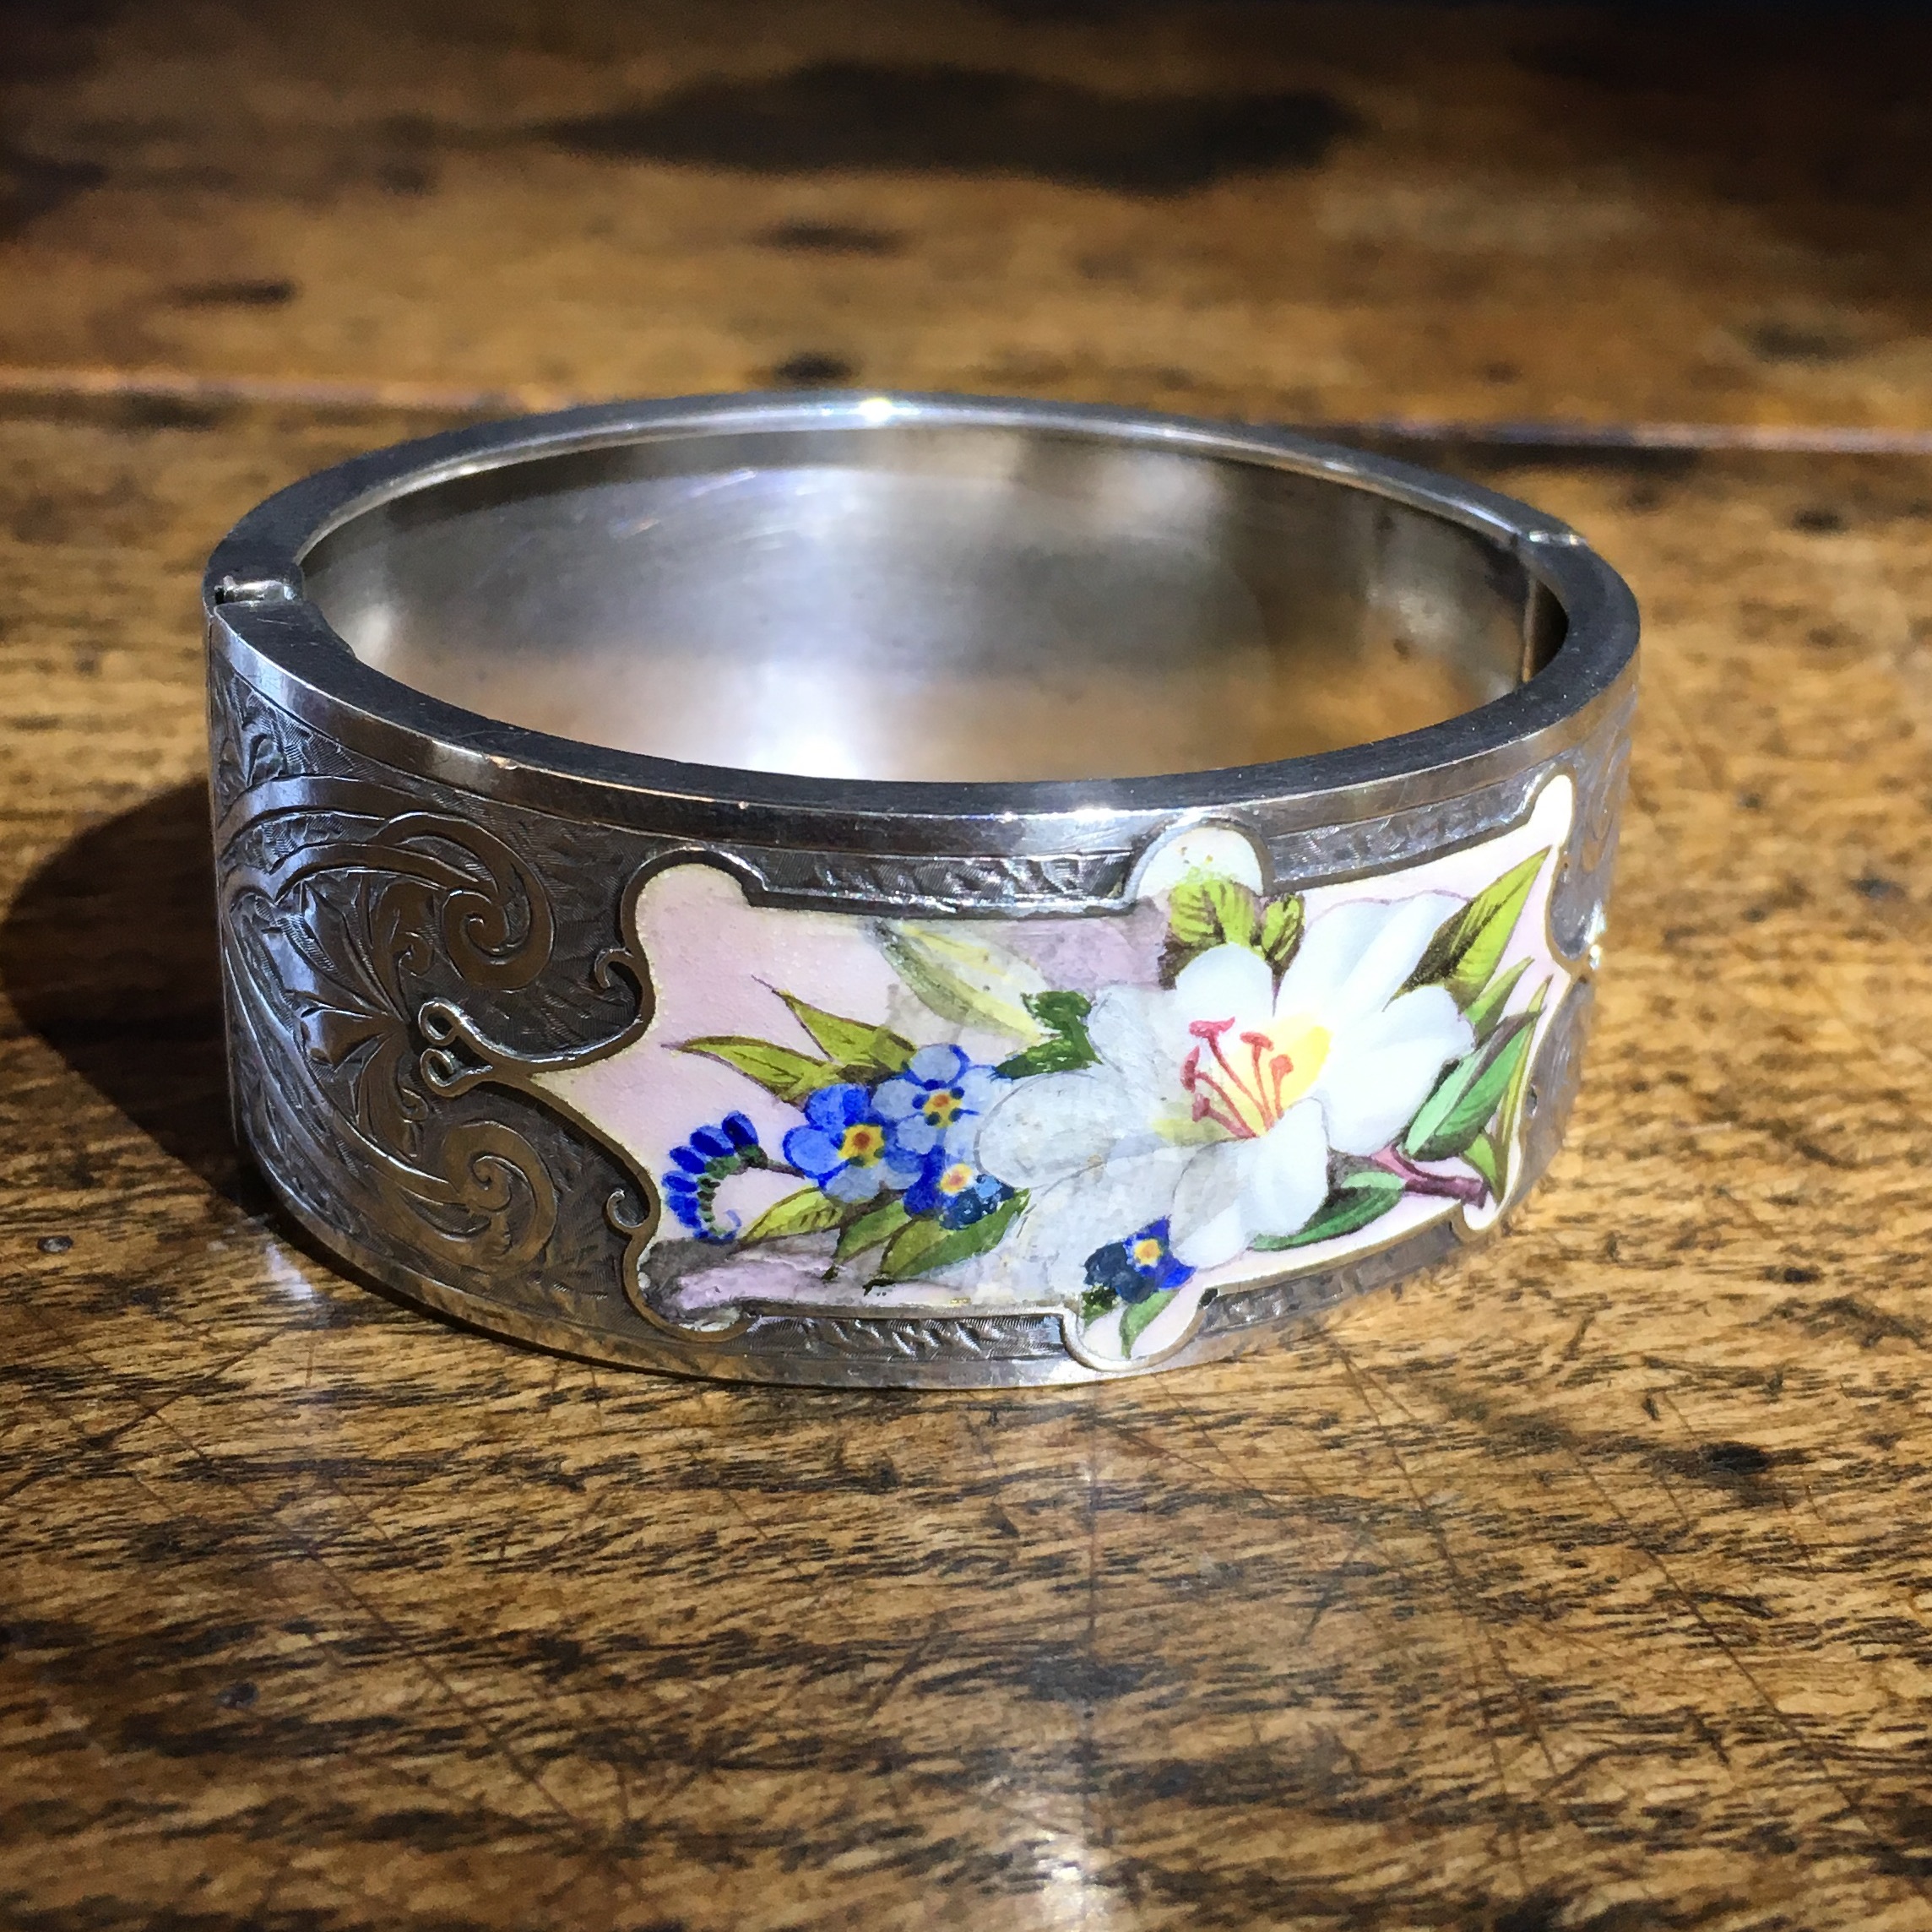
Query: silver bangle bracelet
[(905, 889)]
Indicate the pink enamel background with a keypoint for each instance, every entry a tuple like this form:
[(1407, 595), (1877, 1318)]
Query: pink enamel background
[(715, 960)]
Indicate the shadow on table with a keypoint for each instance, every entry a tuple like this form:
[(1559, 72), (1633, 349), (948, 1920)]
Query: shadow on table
[(841, 116), (108, 952)]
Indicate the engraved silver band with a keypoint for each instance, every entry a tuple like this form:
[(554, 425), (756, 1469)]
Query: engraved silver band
[(434, 923)]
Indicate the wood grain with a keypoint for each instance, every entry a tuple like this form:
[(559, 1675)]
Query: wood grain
[(1586, 1585), (1538, 212)]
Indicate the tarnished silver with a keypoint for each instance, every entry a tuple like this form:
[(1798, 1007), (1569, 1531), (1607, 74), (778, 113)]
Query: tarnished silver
[(897, 655)]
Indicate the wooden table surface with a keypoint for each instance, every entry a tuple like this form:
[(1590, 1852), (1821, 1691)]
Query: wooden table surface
[(1586, 1585)]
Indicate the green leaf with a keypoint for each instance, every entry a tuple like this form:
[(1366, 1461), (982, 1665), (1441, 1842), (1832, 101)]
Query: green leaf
[(1355, 1200), (1237, 911), (1468, 945), (1469, 1093), (861, 1051), (1063, 1013), (791, 1077), (922, 1246), (1067, 1048), (1139, 1317), (1490, 1154), (968, 980), (1190, 916), (876, 1224), (1519, 1081), (1487, 1007), (1209, 910), (1095, 1303), (1281, 930), (1486, 1156), (808, 1211), (1205, 910), (905, 1254)]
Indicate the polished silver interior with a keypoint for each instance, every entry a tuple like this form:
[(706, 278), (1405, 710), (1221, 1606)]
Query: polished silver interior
[(929, 601)]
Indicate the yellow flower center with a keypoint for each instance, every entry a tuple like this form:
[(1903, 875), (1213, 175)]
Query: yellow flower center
[(957, 1179), (940, 1105), (1244, 1081), (862, 1145), (1147, 1252)]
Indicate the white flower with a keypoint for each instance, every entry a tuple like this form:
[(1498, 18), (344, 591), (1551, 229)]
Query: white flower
[(1215, 1106)]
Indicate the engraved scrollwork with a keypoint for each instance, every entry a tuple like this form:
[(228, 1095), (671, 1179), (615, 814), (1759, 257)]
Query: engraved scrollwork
[(488, 1198), (933, 882), (1330, 852), (1555, 1082), (342, 904), (1306, 1295), (253, 743), (461, 1058), (922, 1339), (325, 951), (1601, 774)]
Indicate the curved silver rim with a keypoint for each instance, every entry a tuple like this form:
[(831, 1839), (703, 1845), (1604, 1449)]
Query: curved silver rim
[(254, 587)]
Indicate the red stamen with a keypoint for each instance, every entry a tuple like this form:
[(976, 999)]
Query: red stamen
[(1235, 1097), (1211, 1031), (1281, 1067), (1218, 1105), (1257, 1044)]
